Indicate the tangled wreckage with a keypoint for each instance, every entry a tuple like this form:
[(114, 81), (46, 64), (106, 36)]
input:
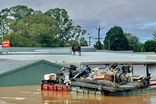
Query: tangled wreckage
[(106, 81)]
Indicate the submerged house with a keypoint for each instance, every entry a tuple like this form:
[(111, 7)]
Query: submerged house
[(27, 72)]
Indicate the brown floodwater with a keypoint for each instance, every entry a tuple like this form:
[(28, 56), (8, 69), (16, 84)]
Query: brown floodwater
[(33, 95)]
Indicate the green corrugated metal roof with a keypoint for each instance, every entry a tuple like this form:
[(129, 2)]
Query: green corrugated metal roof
[(7, 64), (29, 65)]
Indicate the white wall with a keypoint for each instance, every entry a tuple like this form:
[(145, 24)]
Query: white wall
[(152, 69), (139, 70)]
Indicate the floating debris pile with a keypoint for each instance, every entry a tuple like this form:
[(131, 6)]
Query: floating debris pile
[(113, 78)]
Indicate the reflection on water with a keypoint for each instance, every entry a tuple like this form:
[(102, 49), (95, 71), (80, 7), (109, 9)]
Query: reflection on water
[(33, 95)]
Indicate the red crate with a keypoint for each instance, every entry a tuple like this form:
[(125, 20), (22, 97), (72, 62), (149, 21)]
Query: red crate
[(65, 88), (58, 87), (54, 87), (44, 86), (50, 87)]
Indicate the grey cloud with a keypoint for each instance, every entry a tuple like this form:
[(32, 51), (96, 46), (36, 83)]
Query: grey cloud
[(91, 13), (106, 11), (149, 26)]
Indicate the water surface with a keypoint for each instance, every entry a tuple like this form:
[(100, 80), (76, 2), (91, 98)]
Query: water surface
[(33, 95)]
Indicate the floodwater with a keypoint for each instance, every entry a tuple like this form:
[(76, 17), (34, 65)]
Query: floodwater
[(33, 95)]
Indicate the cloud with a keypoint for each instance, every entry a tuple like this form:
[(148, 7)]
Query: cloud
[(105, 11), (134, 15), (149, 26)]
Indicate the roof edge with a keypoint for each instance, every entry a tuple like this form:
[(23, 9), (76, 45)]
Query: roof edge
[(29, 65)]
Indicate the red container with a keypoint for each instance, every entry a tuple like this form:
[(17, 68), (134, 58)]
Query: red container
[(65, 88), (44, 86), (58, 87), (54, 87), (50, 87)]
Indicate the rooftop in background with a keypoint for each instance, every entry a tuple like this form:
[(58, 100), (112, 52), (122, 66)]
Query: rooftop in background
[(87, 57), (42, 50)]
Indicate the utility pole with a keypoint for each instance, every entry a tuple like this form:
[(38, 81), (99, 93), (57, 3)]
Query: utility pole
[(99, 29), (89, 39)]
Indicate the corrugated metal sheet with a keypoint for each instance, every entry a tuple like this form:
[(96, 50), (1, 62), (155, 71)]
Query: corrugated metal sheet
[(85, 57), (31, 74), (8, 65)]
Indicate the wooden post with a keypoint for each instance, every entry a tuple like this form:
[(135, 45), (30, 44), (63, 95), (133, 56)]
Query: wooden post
[(132, 70), (147, 74)]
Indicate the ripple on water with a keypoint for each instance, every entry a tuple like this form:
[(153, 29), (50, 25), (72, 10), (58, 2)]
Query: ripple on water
[(14, 98)]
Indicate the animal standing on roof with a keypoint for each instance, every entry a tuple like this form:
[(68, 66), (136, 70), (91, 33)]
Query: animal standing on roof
[(76, 48)]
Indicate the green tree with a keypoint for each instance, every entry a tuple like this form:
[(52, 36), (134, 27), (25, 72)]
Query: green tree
[(67, 31), (149, 46), (5, 13), (134, 43), (98, 45), (72, 43), (36, 30), (83, 42), (115, 39), (54, 28), (16, 12), (154, 35)]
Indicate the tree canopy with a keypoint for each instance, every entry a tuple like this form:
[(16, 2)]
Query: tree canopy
[(115, 39), (36, 30), (16, 12), (154, 35), (149, 46), (67, 31), (98, 45), (134, 43), (26, 27)]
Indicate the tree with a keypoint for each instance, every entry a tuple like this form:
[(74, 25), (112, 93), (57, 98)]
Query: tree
[(67, 31), (72, 43), (115, 39), (154, 35), (16, 12), (54, 28), (98, 45), (83, 42), (149, 46), (134, 43), (36, 30)]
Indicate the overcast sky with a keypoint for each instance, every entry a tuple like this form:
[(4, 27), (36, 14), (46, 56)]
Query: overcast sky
[(135, 16)]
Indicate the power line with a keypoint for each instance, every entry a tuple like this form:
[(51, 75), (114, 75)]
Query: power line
[(134, 29)]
